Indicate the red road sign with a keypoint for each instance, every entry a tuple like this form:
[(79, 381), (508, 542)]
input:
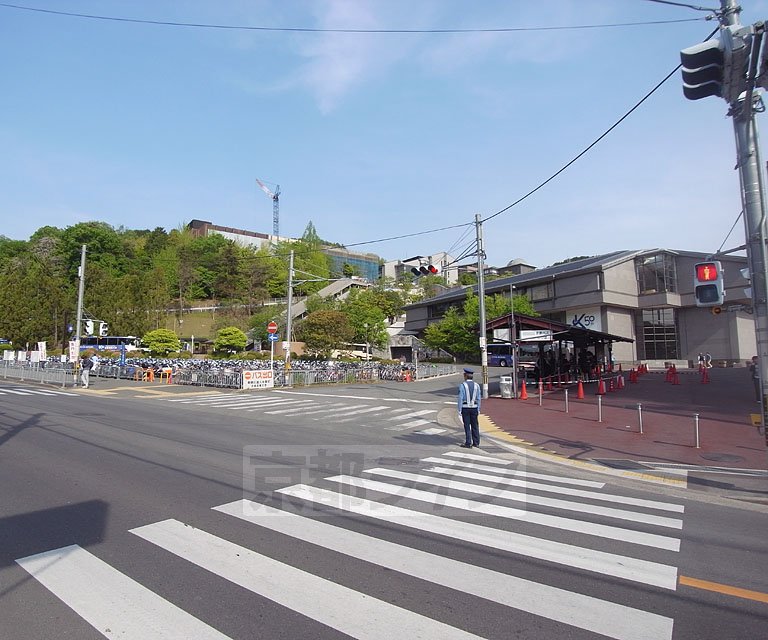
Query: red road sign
[(272, 327)]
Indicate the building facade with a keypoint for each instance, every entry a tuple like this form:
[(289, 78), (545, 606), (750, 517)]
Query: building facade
[(646, 296)]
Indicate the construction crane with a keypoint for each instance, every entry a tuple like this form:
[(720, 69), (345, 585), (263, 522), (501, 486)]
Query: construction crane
[(275, 197)]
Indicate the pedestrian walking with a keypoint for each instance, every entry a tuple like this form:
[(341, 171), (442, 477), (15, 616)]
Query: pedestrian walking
[(469, 408), (754, 370), (86, 364)]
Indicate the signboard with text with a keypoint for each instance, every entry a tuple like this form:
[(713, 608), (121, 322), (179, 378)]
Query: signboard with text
[(258, 379), (535, 335), (585, 319)]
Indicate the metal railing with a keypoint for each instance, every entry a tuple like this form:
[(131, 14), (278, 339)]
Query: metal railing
[(43, 372)]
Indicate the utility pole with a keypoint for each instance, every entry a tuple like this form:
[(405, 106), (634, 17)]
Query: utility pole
[(481, 296), (513, 340), (289, 319), (753, 202), (80, 292)]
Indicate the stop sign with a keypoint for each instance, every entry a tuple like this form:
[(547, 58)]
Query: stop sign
[(272, 327)]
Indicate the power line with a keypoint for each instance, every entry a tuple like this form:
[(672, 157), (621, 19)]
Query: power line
[(584, 151), (205, 25)]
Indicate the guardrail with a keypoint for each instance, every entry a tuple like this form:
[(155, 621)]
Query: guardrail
[(63, 374), (37, 372)]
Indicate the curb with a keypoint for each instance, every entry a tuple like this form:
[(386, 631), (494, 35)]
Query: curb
[(518, 445)]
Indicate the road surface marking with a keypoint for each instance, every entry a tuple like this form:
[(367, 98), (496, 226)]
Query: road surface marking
[(593, 560), (532, 517), (578, 610), (551, 488), (110, 601), (341, 608), (725, 589)]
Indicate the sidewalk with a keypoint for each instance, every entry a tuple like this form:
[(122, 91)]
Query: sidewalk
[(727, 436)]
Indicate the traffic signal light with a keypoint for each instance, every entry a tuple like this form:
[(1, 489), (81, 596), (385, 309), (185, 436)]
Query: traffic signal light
[(424, 270), (89, 326), (103, 329), (718, 67), (708, 284), (703, 65)]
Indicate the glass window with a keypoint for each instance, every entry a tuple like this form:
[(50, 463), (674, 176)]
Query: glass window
[(659, 331), (656, 274)]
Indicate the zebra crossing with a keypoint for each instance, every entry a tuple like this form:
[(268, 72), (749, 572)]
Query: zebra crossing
[(29, 391), (642, 534), (320, 407)]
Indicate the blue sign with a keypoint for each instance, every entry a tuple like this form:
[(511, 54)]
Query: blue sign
[(273, 337)]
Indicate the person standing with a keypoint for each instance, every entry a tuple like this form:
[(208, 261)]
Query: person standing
[(469, 399), (85, 370)]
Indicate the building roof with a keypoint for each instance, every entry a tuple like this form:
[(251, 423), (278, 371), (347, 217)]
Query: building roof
[(560, 331)]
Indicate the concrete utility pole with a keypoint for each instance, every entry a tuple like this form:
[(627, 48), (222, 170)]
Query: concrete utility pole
[(753, 202), (481, 296), (80, 292), (289, 313)]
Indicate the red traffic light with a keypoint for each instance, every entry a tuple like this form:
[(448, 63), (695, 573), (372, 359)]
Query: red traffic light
[(432, 268), (707, 271)]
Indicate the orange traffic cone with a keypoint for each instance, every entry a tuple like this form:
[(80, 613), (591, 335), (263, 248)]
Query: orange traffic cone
[(611, 386), (601, 387), (620, 382), (675, 378), (523, 391), (580, 391), (549, 383)]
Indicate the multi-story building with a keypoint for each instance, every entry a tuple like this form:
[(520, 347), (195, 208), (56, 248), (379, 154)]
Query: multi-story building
[(365, 265), (646, 296)]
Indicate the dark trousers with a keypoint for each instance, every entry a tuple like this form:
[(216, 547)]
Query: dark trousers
[(471, 427)]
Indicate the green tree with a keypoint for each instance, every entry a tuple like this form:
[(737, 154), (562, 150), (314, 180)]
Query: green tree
[(458, 331), (230, 340), (324, 331), (161, 342)]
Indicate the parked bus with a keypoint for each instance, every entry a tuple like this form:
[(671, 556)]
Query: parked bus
[(501, 354), (110, 343)]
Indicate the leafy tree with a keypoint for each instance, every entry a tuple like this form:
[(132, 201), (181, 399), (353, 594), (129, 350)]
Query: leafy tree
[(230, 340), (324, 331), (458, 331), (161, 342), (262, 317)]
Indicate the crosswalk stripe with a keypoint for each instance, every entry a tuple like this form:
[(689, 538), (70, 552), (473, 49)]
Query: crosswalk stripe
[(551, 488), (496, 491), (431, 432), (205, 398), (301, 409), (472, 466), (339, 607), (414, 414), (408, 425), (532, 517), (17, 392), (274, 403), (474, 456), (109, 600), (354, 414), (256, 404), (335, 395), (578, 610), (595, 561)]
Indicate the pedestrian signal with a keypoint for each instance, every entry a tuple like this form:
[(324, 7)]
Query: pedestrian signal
[(708, 284)]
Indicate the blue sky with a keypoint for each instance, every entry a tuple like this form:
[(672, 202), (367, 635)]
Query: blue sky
[(368, 135)]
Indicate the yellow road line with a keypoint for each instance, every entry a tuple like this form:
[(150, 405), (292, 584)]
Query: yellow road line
[(725, 589)]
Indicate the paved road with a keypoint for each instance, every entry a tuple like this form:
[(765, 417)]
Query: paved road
[(335, 512)]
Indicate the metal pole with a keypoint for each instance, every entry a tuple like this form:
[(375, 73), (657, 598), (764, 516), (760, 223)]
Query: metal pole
[(481, 295), (566, 400), (289, 320), (640, 416), (696, 424), (753, 201), (513, 338), (599, 408), (79, 318)]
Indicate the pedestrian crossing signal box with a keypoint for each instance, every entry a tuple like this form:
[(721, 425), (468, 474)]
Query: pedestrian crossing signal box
[(708, 284)]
